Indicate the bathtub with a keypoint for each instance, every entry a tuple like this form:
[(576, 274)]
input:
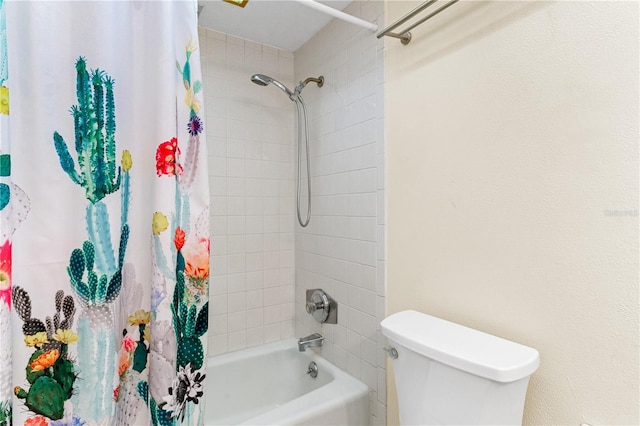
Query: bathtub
[(269, 385)]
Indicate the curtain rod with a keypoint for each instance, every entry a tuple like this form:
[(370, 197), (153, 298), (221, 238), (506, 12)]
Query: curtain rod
[(338, 14), (405, 34)]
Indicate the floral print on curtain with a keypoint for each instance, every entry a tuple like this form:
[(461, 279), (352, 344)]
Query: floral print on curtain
[(115, 340), (181, 248)]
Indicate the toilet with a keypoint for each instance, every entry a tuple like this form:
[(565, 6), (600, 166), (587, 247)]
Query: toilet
[(449, 374)]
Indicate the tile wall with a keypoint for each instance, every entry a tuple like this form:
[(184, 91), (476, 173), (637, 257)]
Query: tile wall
[(250, 136), (342, 249)]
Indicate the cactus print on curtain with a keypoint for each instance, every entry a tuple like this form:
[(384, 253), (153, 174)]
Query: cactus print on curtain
[(111, 267)]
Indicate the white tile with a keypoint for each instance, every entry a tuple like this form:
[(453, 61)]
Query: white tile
[(254, 262), (235, 129), (217, 166), (219, 225), (252, 57), (287, 329), (369, 375), (253, 205), (340, 357), (255, 280), (237, 340), (270, 205), (369, 278), (218, 285), (235, 167), (218, 206), (255, 317), (218, 324), (218, 245), (381, 245), (368, 350), (354, 297), (271, 260), (354, 321), (368, 302), (368, 253), (255, 299), (381, 207), (235, 186), (353, 272), (380, 278), (254, 226), (381, 310), (382, 385), (217, 146), (236, 225), (237, 321), (353, 365), (235, 148), (236, 283), (269, 63), (254, 241), (271, 315), (255, 336), (381, 413), (218, 344), (369, 325), (271, 332), (235, 244), (235, 263), (270, 224), (271, 278), (272, 296), (237, 302)]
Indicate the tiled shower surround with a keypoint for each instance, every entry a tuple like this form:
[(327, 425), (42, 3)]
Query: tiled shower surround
[(342, 249), (262, 260), (250, 136)]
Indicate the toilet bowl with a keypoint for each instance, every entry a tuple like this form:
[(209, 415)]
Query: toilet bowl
[(449, 374)]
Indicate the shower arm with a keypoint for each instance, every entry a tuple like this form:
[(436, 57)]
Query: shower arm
[(319, 81), (296, 92)]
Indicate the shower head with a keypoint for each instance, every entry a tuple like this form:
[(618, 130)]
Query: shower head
[(265, 80)]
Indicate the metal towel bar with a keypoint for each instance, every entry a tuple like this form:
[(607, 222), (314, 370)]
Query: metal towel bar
[(405, 35)]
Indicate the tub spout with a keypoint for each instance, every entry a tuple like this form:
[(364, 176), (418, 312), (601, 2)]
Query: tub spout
[(310, 341)]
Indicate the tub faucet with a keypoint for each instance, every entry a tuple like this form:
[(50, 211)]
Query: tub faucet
[(310, 341)]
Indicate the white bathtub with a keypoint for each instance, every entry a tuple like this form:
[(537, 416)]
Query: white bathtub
[(269, 385)]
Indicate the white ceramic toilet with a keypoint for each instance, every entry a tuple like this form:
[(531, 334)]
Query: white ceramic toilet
[(448, 374)]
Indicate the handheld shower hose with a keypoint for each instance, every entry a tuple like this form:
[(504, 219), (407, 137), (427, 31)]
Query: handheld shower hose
[(303, 132)]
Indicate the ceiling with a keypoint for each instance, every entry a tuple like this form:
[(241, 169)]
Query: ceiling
[(280, 23)]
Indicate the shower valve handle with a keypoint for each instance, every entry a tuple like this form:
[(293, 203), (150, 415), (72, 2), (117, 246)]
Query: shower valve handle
[(322, 307), (312, 307)]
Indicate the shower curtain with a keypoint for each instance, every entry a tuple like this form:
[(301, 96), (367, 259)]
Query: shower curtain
[(104, 261)]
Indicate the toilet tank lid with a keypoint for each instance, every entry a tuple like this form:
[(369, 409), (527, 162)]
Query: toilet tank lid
[(461, 347)]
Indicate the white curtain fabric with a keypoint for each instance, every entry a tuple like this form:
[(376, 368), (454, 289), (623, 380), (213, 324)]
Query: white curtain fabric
[(110, 265)]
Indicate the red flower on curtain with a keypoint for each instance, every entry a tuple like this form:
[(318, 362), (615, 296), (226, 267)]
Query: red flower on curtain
[(179, 238), (36, 421), (167, 158), (5, 273)]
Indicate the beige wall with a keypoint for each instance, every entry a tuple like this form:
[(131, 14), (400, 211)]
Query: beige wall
[(512, 149)]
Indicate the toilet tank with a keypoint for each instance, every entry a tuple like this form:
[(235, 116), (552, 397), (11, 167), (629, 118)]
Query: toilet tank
[(449, 374)]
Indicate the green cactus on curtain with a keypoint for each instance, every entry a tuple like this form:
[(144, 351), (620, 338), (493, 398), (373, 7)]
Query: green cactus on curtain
[(190, 324), (6, 414), (95, 269), (95, 127), (50, 371)]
